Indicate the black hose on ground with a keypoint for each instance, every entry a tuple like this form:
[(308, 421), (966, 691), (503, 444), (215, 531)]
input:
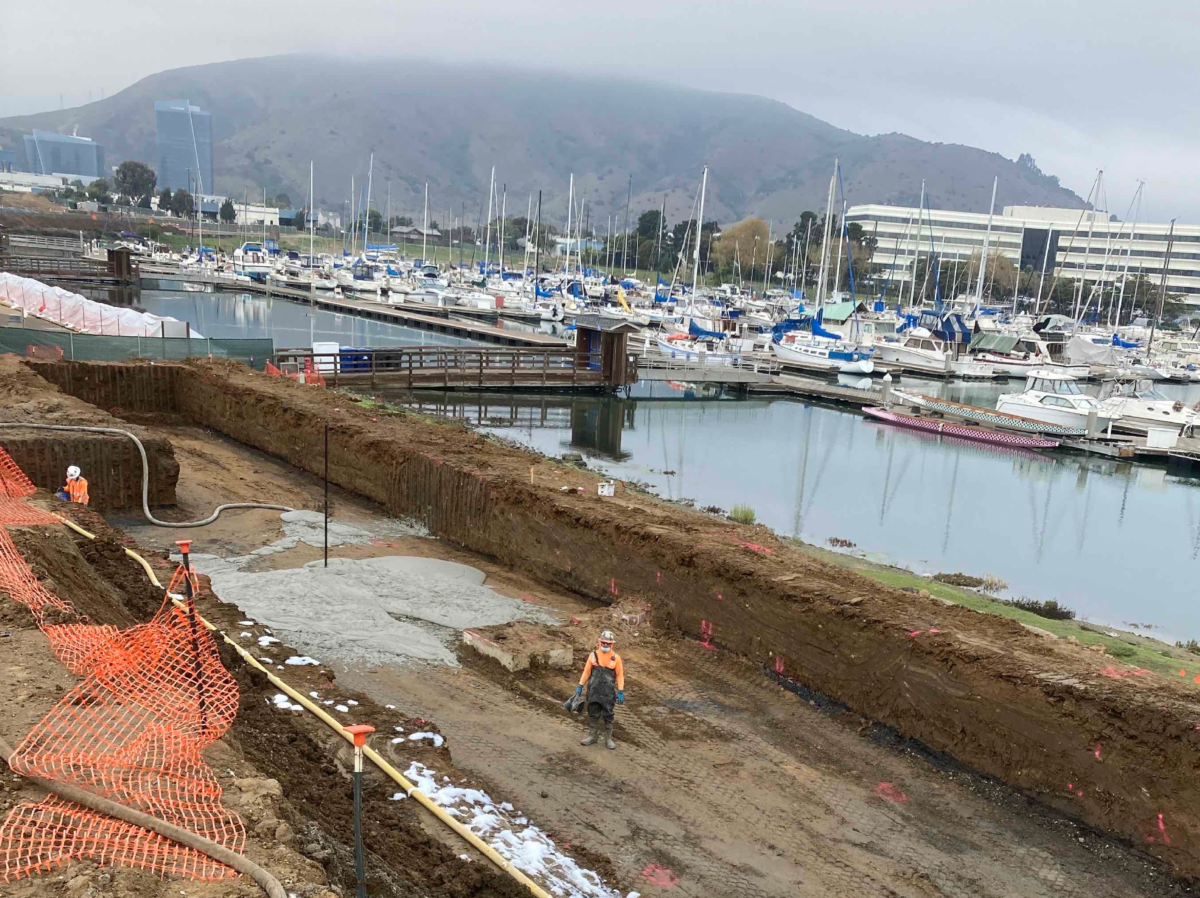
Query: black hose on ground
[(146, 475), (219, 853)]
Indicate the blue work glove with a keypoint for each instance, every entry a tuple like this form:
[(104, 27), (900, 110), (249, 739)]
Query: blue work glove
[(578, 690), (620, 696)]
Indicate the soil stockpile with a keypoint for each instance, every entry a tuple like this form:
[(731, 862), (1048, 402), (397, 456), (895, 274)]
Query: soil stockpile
[(1037, 713)]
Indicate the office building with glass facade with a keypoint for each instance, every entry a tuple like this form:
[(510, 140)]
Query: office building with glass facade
[(47, 153), (185, 146)]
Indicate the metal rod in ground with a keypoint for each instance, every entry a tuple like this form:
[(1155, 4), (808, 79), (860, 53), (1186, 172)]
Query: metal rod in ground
[(326, 495), (184, 547), (359, 731)]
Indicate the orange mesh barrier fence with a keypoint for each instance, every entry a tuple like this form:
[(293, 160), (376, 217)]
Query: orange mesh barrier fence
[(272, 370), (150, 698), (14, 487)]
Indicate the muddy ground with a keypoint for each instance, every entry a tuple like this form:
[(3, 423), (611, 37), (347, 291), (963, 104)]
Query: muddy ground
[(724, 783), (727, 782)]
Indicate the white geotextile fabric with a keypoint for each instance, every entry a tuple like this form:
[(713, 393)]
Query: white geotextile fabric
[(86, 316)]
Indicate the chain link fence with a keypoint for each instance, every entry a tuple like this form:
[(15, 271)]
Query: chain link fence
[(93, 347)]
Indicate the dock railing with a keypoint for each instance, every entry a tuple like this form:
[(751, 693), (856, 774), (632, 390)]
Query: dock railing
[(449, 366)]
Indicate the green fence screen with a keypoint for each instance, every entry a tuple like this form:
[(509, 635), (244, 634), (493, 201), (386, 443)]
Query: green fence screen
[(88, 347)]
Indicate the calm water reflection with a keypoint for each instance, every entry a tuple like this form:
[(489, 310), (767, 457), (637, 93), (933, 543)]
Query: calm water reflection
[(1117, 542), (290, 324)]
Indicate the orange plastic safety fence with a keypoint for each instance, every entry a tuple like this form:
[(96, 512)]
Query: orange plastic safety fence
[(150, 699), (272, 370)]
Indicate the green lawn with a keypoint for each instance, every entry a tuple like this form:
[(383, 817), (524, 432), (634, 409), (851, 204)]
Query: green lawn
[(1129, 648)]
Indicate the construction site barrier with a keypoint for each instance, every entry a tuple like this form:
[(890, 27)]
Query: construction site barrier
[(321, 714), (69, 345)]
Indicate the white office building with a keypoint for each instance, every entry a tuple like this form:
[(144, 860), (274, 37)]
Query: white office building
[(1032, 237)]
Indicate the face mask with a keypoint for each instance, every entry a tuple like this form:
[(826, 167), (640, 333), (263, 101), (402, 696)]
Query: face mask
[(605, 648)]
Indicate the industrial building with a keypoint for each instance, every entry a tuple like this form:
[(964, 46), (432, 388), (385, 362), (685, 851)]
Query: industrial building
[(185, 148), (48, 153), (1068, 242)]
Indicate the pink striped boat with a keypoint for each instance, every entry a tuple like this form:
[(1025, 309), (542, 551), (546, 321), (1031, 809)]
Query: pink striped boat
[(962, 431)]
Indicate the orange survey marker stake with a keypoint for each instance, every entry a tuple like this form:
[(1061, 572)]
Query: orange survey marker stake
[(359, 731), (1181, 673)]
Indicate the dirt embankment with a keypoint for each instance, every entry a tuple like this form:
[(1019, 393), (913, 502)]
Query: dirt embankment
[(1036, 713), (110, 462)]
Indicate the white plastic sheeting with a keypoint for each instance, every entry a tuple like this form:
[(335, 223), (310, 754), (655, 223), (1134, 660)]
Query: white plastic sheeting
[(85, 316)]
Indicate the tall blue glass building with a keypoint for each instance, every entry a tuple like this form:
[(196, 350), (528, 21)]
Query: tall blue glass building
[(184, 146), (47, 153)]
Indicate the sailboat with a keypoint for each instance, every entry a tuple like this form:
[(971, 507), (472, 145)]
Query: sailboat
[(804, 343)]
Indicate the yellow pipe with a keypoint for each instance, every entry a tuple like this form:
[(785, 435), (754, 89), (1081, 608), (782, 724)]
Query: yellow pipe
[(409, 789)]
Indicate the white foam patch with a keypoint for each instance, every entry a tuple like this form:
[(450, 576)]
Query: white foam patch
[(301, 661), (432, 737), (265, 641), (283, 703), (341, 708), (525, 846)]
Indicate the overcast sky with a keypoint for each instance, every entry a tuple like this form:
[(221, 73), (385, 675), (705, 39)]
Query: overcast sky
[(1080, 84)]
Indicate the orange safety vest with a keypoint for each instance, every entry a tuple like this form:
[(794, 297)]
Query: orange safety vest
[(77, 490)]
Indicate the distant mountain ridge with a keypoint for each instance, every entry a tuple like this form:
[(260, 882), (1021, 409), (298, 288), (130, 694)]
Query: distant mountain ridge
[(448, 124)]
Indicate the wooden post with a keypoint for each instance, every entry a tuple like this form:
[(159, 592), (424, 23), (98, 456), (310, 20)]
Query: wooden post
[(373, 356), (545, 364), (513, 375), (481, 352)]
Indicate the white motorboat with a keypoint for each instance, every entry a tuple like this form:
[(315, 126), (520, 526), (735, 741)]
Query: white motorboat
[(920, 350), (1139, 408), (1016, 356), (1055, 398), (251, 259)]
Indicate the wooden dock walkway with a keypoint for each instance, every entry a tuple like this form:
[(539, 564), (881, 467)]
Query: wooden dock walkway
[(417, 316), (452, 367)]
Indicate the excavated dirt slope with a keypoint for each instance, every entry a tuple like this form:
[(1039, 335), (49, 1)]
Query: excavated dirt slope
[(286, 774), (109, 462), (1037, 713)]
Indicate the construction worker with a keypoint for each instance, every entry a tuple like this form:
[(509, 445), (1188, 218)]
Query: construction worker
[(604, 677), (76, 489)]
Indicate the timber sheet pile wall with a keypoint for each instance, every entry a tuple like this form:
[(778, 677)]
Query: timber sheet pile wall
[(974, 686), (110, 464)]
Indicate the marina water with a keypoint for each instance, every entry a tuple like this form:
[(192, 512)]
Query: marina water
[(1117, 542)]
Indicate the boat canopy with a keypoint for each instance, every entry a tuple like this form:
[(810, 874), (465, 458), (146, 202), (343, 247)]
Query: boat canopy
[(382, 247), (947, 326), (1123, 344), (992, 342), (839, 312), (1082, 351), (700, 333)]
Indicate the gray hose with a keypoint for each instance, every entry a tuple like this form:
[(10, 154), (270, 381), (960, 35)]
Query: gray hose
[(219, 853), (146, 476)]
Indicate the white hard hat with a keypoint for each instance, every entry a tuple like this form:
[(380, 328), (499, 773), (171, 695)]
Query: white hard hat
[(73, 472), (606, 636)]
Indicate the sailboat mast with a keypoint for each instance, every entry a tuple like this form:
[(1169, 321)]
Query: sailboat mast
[(628, 200), (824, 271), (1129, 252), (487, 242), (367, 210), (983, 256), (699, 226), (1162, 291), (662, 217), (767, 261), (1087, 249), (837, 278), (425, 228), (1045, 260), (804, 262), (311, 220), (503, 208), (912, 284), (570, 210)]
